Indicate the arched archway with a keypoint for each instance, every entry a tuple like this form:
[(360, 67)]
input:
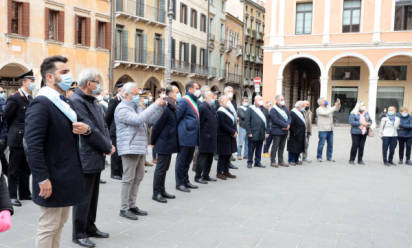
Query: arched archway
[(301, 80), (152, 84), (179, 86), (123, 79), (8, 74), (359, 56)]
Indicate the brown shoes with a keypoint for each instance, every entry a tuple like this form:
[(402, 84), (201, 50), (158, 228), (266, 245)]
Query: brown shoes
[(221, 176), (228, 175), (283, 165), (274, 165)]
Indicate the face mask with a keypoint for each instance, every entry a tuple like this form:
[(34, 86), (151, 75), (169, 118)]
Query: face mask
[(178, 96), (197, 93), (306, 108), (97, 90), (302, 109), (245, 104), (136, 99), (326, 103), (145, 101), (212, 102), (282, 103), (107, 98), (32, 86), (230, 95), (363, 108), (66, 81), (391, 113), (404, 114), (3, 95), (99, 98), (261, 102), (150, 99)]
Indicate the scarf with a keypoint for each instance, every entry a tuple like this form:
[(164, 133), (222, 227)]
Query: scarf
[(259, 112), (362, 121), (54, 97), (281, 112), (226, 112), (232, 109), (300, 115), (193, 104)]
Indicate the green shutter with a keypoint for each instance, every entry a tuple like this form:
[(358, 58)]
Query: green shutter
[(144, 50), (124, 45), (162, 52), (162, 11)]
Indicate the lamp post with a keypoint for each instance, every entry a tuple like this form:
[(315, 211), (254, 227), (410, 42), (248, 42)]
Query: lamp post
[(170, 14)]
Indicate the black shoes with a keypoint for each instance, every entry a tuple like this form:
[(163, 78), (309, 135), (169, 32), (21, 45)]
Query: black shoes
[(260, 166), (361, 163), (331, 160), (200, 180), (191, 186), (98, 234), (351, 162), (138, 211), (128, 214), (102, 181), (249, 166), (86, 242), (168, 196), (26, 198), (183, 188), (115, 177), (209, 179), (408, 162), (159, 198), (15, 202), (400, 162), (231, 166)]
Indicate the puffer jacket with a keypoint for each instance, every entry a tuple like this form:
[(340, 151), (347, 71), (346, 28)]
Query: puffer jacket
[(131, 126), (405, 126)]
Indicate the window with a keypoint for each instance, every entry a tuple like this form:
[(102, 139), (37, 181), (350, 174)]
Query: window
[(183, 13), (203, 26), (54, 25), (160, 14), (119, 5), (102, 34), (139, 46), (222, 32), (351, 16), (223, 6), (19, 18), (184, 51), (140, 8), (403, 15), (173, 7), (389, 96), (82, 30), (158, 50), (193, 19), (121, 46), (346, 73), (203, 57), (348, 97), (393, 72), (303, 18)]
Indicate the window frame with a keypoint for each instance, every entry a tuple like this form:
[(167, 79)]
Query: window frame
[(357, 67), (404, 21), (351, 9), (304, 12)]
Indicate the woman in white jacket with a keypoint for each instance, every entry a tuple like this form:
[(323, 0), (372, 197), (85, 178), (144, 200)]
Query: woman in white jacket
[(389, 133)]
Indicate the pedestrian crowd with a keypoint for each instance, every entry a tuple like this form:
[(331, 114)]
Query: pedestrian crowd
[(63, 136)]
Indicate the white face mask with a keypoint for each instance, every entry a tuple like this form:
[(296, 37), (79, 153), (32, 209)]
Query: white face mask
[(282, 103), (261, 102), (363, 108), (197, 93), (230, 95)]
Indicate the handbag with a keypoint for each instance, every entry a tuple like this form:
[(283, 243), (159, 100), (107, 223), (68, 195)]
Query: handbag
[(371, 133)]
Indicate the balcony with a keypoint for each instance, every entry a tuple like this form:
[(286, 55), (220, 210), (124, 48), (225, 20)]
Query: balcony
[(180, 67), (254, 34), (198, 71), (247, 57), (247, 32), (228, 47), (222, 75), (212, 37), (259, 59), (130, 9), (260, 36), (212, 72), (252, 58), (239, 51), (142, 58), (233, 78)]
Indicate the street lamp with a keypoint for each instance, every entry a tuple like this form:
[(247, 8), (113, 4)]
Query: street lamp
[(170, 14)]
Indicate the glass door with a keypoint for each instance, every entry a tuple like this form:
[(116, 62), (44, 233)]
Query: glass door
[(348, 97), (388, 96)]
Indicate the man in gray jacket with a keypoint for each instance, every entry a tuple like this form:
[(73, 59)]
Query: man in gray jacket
[(131, 131)]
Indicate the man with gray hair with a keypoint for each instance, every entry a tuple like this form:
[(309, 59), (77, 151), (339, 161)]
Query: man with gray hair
[(296, 142), (324, 114), (232, 106), (308, 118), (93, 150), (131, 132)]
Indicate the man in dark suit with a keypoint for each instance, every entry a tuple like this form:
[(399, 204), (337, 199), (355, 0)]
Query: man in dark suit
[(256, 129), (14, 113), (3, 132), (51, 136), (115, 160), (188, 130), (232, 106), (93, 149), (208, 138), (165, 141), (296, 142), (226, 138)]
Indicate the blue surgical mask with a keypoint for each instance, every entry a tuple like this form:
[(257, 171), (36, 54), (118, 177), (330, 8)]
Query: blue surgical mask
[(326, 103), (3, 95), (107, 98), (66, 81), (405, 114), (212, 102), (32, 86), (178, 97), (145, 101), (302, 109), (245, 104), (97, 90), (136, 99), (391, 113)]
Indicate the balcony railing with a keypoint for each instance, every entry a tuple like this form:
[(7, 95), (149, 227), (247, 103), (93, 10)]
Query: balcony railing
[(247, 57), (233, 78), (212, 72), (247, 31), (212, 37), (254, 33), (259, 59), (139, 56), (150, 13), (186, 67), (222, 74), (260, 36)]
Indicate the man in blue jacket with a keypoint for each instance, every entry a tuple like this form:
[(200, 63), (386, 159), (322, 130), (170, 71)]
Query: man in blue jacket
[(280, 124), (188, 130)]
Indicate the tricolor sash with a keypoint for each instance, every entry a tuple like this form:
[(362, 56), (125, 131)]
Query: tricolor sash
[(193, 105)]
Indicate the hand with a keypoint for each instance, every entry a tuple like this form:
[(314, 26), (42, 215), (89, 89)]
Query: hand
[(113, 150), (45, 189), (5, 220), (267, 136), (250, 135), (161, 102), (235, 135), (80, 128), (288, 127), (337, 102)]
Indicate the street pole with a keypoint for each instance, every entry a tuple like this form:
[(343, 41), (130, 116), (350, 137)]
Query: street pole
[(207, 41), (112, 45), (169, 47)]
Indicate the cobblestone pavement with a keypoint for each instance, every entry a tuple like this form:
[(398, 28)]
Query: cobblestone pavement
[(315, 205)]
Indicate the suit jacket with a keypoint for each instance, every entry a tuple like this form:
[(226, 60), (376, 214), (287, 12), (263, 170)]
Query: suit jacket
[(241, 114), (208, 128), (93, 146), (109, 117), (187, 123), (164, 132), (255, 125), (53, 153), (277, 121), (226, 143), (14, 114), (296, 141)]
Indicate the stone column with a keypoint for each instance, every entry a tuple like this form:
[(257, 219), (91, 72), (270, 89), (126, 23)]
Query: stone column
[(279, 86), (372, 94), (324, 86)]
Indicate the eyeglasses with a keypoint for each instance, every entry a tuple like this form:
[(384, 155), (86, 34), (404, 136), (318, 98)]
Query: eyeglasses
[(95, 81), (2, 91)]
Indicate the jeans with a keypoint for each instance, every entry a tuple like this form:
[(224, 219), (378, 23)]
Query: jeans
[(268, 142), (255, 147), (405, 143), (358, 144), (159, 178), (293, 157), (278, 147), (388, 143), (242, 139), (325, 136)]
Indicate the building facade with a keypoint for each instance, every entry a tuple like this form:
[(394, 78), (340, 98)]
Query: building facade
[(33, 30), (354, 50), (139, 53)]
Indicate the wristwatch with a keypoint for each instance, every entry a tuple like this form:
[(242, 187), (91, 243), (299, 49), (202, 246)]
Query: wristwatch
[(89, 131)]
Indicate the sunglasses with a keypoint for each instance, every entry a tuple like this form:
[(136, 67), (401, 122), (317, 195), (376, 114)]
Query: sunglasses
[(2, 91)]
